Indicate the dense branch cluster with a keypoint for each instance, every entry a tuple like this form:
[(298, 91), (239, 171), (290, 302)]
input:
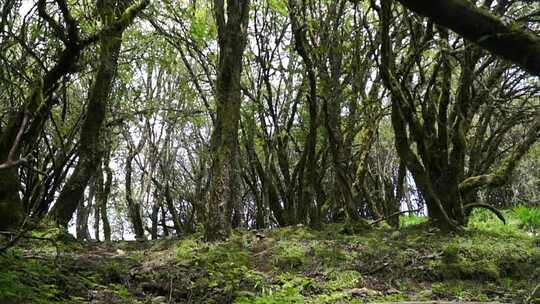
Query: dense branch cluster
[(149, 119)]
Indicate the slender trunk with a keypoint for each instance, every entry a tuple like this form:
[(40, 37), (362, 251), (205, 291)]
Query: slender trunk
[(134, 209), (164, 222), (224, 189), (99, 202), (83, 214), (154, 218), (172, 210), (89, 152), (103, 200)]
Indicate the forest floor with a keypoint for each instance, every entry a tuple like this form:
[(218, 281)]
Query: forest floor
[(489, 262)]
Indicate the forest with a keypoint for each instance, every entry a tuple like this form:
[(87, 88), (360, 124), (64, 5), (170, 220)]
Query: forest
[(269, 151)]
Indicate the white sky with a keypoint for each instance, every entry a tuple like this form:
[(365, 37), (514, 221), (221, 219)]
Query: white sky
[(25, 7)]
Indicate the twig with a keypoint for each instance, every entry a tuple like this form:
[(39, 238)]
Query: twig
[(170, 291), (535, 294), (11, 162)]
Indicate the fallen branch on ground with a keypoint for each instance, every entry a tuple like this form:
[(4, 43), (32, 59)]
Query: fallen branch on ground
[(392, 215)]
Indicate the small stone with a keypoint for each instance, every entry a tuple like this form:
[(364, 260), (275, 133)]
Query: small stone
[(159, 300), (247, 294), (364, 292), (427, 293), (392, 291)]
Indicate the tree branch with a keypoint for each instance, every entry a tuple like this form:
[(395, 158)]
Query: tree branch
[(509, 41), (501, 176), (11, 162)]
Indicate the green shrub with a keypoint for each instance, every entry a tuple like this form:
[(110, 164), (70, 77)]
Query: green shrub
[(529, 218), (411, 220)]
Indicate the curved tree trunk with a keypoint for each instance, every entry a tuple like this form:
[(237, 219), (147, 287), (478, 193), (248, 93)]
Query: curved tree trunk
[(90, 151)]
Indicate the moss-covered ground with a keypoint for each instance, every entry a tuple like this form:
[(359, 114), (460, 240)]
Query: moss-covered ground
[(489, 262)]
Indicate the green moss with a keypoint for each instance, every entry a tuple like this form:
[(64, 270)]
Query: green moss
[(23, 281), (289, 289), (329, 254), (186, 249), (299, 265), (451, 253), (289, 255), (342, 280)]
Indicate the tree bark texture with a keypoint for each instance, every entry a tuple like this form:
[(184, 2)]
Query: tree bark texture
[(231, 22)]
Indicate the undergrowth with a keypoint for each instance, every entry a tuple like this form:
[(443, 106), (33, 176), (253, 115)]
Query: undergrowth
[(490, 261)]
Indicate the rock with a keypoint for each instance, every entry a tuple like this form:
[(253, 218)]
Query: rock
[(427, 293), (159, 300), (247, 294), (364, 292), (395, 235), (392, 291)]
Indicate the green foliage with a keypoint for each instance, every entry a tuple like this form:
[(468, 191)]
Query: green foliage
[(26, 281), (279, 6), (410, 220), (296, 265), (289, 290), (222, 266), (289, 255), (486, 221), (529, 217), (186, 249), (340, 280), (203, 27), (330, 255)]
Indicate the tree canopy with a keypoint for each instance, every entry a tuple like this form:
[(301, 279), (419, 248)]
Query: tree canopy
[(148, 119)]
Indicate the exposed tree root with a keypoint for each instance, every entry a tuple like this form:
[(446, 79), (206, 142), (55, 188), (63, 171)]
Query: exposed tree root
[(498, 213)]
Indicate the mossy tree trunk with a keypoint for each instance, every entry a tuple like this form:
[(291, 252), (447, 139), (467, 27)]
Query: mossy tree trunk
[(133, 205), (333, 84), (24, 126), (432, 131), (103, 190), (84, 211), (11, 208), (91, 146), (308, 177), (231, 20)]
